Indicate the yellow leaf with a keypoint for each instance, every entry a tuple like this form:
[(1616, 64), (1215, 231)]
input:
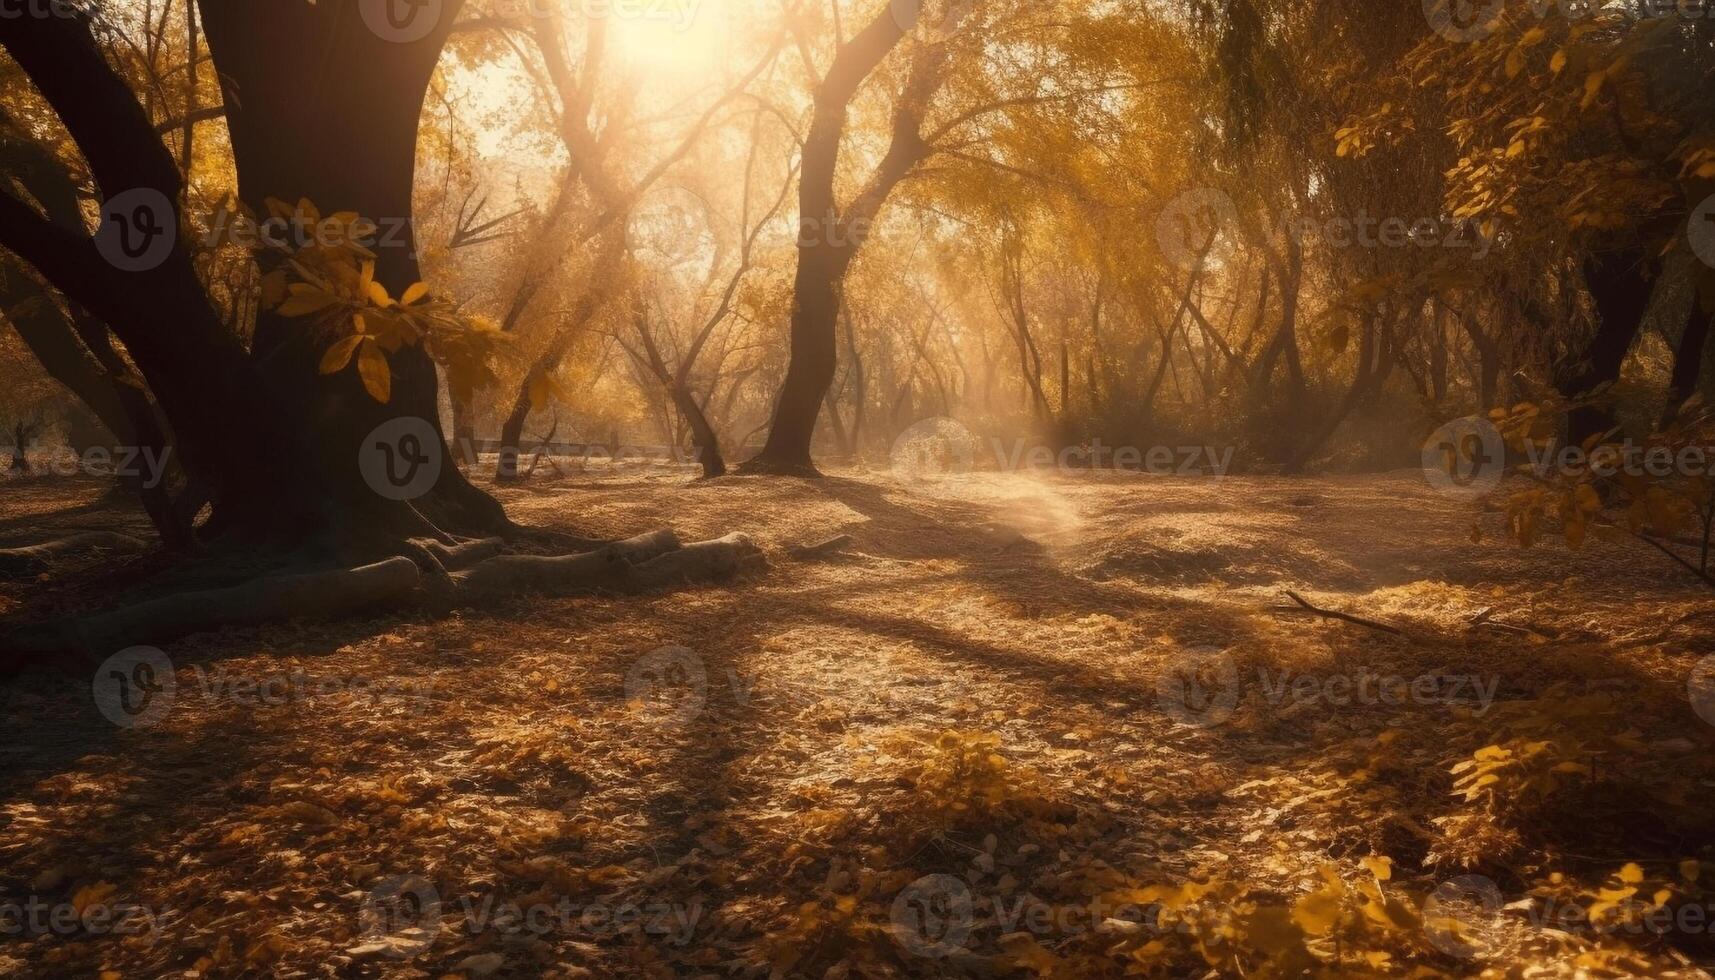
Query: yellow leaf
[(416, 292), (377, 379), (1515, 62), (305, 299), (377, 294), (1557, 63), (1317, 912), (92, 896), (339, 354), (1592, 88)]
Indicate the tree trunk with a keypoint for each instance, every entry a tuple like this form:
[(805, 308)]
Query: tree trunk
[(860, 391), (829, 240), (275, 443), (342, 154), (20, 443), (1687, 360), (1620, 283)]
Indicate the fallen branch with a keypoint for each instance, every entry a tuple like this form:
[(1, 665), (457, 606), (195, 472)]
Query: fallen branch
[(1483, 618), (1343, 617), (14, 561), (1693, 569)]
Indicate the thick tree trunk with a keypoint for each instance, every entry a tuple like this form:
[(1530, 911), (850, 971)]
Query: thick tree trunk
[(1620, 283), (808, 374), (342, 154)]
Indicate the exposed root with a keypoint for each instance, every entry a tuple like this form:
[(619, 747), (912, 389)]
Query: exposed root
[(311, 594), (811, 552), (563, 574), (16, 561), (465, 553), (765, 466), (700, 562), (463, 573)]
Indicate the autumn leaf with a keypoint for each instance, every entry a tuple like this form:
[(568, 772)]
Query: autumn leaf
[(377, 378), (339, 354), (304, 299)]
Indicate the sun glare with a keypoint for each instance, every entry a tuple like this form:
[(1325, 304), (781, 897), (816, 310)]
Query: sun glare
[(675, 42)]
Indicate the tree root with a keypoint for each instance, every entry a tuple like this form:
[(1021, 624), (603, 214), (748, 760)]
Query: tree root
[(309, 594), (17, 561), (466, 573), (464, 554), (824, 549), (769, 466)]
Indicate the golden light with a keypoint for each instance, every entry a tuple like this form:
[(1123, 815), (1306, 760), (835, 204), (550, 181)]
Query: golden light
[(673, 41)]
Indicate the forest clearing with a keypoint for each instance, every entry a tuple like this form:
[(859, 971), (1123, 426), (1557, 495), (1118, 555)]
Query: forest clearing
[(855, 489), (978, 685)]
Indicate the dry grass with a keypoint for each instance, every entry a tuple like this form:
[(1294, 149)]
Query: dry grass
[(775, 815)]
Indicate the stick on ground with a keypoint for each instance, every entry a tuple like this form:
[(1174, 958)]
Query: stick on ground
[(1345, 617)]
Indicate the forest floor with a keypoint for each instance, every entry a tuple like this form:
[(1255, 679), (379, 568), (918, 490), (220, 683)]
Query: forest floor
[(1050, 725)]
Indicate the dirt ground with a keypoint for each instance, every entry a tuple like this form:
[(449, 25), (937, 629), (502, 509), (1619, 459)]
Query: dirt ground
[(1060, 725)]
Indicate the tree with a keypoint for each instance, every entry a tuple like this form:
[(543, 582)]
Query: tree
[(831, 235), (275, 435)]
